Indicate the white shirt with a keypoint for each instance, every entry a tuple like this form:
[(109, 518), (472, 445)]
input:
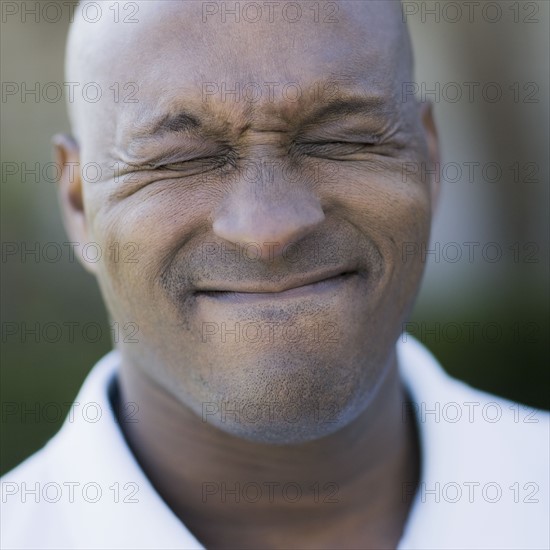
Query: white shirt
[(484, 479)]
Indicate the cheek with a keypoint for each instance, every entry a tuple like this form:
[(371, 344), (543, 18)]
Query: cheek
[(406, 227), (396, 215), (140, 235), (378, 194), (391, 211)]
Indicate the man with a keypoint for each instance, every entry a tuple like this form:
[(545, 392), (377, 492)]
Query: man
[(265, 403)]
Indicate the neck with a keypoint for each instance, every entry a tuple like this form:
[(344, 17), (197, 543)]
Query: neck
[(343, 488)]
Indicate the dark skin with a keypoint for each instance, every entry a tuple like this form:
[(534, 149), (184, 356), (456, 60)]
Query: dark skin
[(183, 196)]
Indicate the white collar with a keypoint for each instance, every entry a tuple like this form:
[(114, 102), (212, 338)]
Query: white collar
[(456, 452), (98, 452)]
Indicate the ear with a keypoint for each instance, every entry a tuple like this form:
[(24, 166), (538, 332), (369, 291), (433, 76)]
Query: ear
[(430, 132), (70, 196)]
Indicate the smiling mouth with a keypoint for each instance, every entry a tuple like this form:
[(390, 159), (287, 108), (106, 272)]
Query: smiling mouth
[(316, 287)]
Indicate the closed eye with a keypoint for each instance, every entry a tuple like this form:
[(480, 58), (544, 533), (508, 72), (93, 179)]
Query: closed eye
[(334, 149), (206, 162), (197, 164)]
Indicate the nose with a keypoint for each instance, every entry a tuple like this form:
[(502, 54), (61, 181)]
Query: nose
[(271, 218)]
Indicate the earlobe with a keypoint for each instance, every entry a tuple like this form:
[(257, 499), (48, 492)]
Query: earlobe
[(432, 140), (70, 192), (67, 158)]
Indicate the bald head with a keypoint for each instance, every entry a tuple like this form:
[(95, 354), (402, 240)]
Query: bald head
[(173, 52), (252, 167)]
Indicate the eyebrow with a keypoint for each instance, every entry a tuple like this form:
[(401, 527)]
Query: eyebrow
[(185, 122), (374, 105), (182, 122)]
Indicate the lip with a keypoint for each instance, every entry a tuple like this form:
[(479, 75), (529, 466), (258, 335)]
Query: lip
[(314, 286)]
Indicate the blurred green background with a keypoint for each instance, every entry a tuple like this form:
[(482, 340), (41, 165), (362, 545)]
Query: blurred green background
[(511, 294)]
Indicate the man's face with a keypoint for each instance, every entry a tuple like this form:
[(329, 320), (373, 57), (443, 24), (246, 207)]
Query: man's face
[(221, 202)]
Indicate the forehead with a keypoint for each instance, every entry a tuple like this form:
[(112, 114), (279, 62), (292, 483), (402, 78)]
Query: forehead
[(245, 56)]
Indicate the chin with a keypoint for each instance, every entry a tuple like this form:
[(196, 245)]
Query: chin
[(288, 401), (283, 431)]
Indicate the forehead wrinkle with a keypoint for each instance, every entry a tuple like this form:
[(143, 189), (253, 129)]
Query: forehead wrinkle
[(372, 42), (214, 120)]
